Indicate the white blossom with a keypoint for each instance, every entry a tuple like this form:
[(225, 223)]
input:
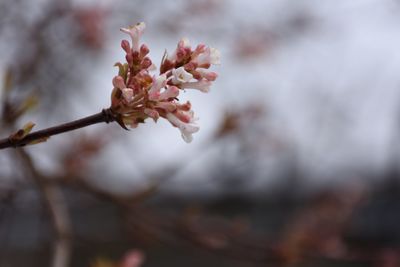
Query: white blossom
[(202, 85), (135, 32), (187, 129), (180, 75)]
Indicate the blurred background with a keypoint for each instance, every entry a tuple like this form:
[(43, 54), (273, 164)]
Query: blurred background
[(296, 162)]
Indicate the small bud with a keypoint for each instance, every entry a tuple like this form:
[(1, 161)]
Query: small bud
[(135, 32), (126, 46), (144, 50), (170, 92), (146, 63), (21, 133), (190, 66), (118, 82), (27, 128), (201, 48), (185, 107), (183, 116), (208, 75)]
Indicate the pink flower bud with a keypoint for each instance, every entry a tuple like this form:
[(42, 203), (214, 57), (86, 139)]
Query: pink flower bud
[(208, 75), (154, 96), (190, 66), (211, 76), (170, 92), (146, 63), (185, 107), (135, 32), (144, 50), (126, 46), (200, 49), (118, 82), (184, 116)]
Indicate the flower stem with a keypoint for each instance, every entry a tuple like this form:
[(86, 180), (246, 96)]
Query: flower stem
[(106, 115)]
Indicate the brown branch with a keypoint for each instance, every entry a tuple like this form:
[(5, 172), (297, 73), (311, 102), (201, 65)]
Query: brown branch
[(57, 207), (106, 115)]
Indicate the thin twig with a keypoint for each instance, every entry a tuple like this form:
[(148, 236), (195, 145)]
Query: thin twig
[(56, 204), (106, 115)]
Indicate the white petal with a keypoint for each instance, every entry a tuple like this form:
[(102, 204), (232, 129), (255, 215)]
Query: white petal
[(187, 129), (135, 33), (158, 83), (187, 132), (170, 92), (180, 75), (202, 85), (184, 42), (187, 137)]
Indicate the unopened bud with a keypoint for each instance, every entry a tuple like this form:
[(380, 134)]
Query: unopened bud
[(126, 46), (146, 63), (185, 107), (191, 66), (118, 82), (144, 50)]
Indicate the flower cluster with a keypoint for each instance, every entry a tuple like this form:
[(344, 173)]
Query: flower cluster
[(138, 95)]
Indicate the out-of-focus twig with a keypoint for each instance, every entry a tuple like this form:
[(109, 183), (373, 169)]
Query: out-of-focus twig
[(56, 204)]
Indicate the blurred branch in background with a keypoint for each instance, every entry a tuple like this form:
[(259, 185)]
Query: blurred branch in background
[(58, 210), (246, 192)]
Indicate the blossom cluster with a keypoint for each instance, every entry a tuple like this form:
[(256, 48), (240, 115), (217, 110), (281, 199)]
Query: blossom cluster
[(138, 95)]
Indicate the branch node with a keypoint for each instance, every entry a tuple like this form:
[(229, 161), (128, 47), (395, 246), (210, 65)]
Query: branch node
[(13, 142), (108, 115)]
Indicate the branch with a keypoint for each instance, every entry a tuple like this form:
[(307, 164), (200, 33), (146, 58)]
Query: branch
[(57, 207), (106, 115)]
